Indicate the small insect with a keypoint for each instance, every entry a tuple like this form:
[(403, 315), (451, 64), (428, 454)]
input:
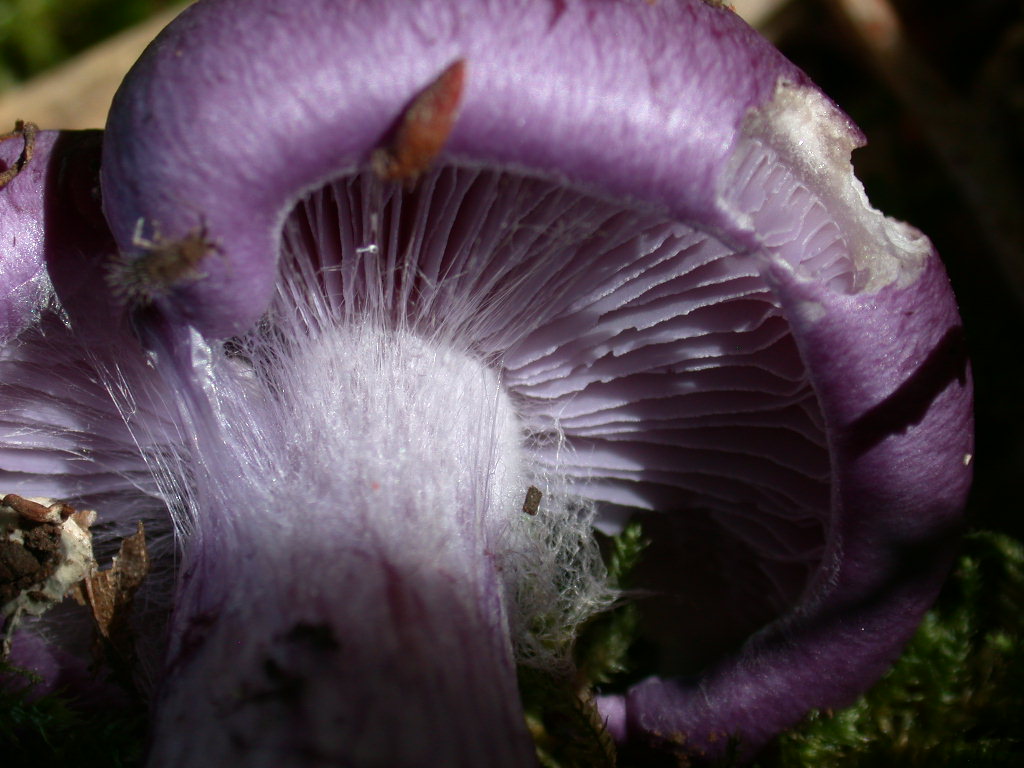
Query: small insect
[(159, 265), (423, 128), (532, 503), (28, 132)]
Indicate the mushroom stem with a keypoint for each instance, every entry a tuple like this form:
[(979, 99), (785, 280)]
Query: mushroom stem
[(342, 598)]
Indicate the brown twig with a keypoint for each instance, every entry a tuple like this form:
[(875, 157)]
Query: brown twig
[(27, 132)]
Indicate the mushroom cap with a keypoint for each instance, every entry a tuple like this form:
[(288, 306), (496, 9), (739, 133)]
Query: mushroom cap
[(608, 96)]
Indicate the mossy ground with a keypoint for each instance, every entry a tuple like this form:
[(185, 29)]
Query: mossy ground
[(55, 731), (956, 696)]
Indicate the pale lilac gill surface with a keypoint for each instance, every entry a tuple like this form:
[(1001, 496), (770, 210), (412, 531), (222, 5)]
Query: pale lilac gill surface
[(663, 358), (225, 129)]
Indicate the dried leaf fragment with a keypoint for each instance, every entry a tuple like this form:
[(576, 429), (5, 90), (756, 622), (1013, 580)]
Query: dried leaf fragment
[(45, 549), (109, 593)]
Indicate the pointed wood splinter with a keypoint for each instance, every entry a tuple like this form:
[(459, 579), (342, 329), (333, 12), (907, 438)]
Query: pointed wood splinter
[(423, 128)]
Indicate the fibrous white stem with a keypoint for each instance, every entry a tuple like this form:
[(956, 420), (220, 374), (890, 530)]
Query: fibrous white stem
[(341, 601)]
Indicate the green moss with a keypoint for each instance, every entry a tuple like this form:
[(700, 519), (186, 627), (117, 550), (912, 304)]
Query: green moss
[(956, 696), (602, 650), (559, 707), (54, 731), (564, 722)]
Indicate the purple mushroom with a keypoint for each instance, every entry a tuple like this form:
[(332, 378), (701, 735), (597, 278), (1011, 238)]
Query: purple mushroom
[(367, 275)]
